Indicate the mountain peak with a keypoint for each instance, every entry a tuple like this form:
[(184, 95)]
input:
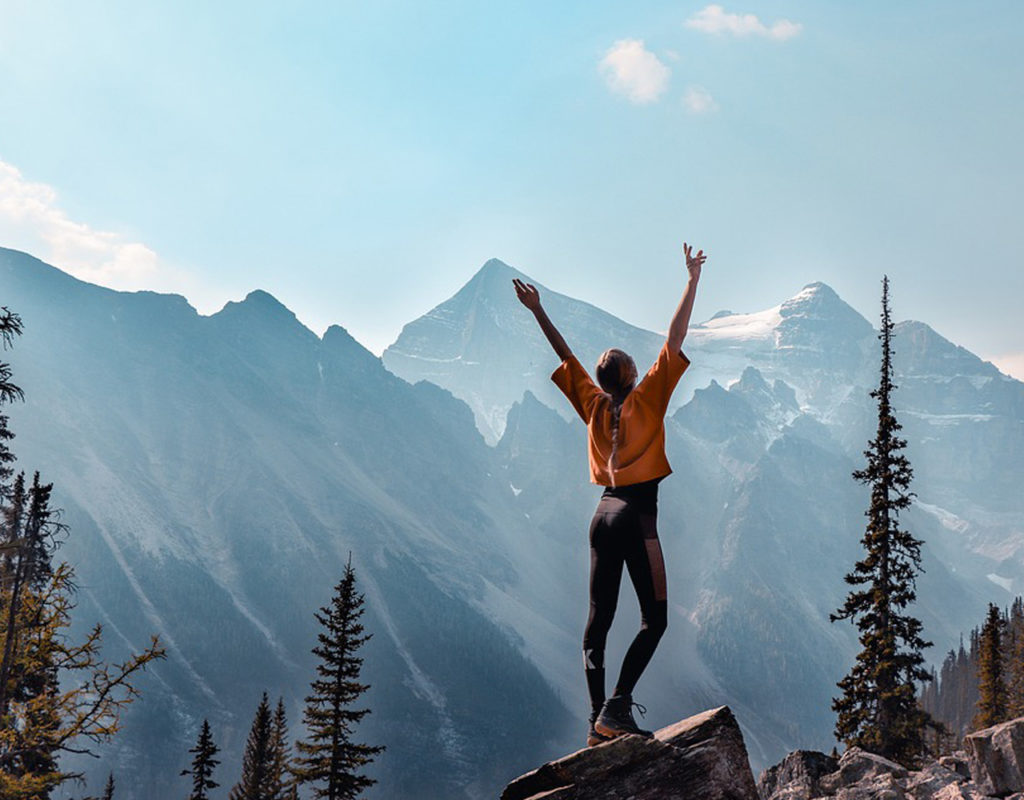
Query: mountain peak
[(262, 309), (261, 299), (496, 272), (816, 292), (818, 310), (261, 303), (495, 265)]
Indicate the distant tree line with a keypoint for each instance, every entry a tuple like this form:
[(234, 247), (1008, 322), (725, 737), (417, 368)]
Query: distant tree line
[(981, 684)]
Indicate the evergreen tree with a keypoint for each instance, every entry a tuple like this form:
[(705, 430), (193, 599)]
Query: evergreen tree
[(108, 790), (1015, 661), (203, 764), (878, 708), (330, 759), (10, 326), (991, 687), (281, 755), (258, 759)]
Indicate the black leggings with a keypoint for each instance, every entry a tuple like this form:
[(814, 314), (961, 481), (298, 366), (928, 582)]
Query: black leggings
[(623, 533)]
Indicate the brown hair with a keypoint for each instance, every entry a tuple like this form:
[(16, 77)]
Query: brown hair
[(615, 371)]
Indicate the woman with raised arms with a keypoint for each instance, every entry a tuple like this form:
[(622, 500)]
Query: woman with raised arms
[(626, 452)]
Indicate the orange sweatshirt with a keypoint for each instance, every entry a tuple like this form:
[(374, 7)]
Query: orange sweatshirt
[(641, 451)]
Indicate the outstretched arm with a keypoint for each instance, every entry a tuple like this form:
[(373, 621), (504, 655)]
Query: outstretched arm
[(681, 319), (530, 297)]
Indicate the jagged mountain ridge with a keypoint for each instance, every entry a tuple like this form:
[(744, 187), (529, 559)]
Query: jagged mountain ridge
[(494, 537)]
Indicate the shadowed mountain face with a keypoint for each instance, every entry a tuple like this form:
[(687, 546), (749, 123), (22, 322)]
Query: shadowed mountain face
[(216, 471)]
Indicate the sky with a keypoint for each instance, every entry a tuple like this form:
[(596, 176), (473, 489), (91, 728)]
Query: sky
[(361, 160)]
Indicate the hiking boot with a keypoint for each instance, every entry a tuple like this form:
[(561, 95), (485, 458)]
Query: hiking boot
[(593, 737), (616, 717)]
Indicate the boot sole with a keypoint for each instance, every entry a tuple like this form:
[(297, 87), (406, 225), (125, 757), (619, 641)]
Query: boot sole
[(612, 733)]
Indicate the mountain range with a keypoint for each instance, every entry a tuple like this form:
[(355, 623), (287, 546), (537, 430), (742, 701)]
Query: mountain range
[(216, 471)]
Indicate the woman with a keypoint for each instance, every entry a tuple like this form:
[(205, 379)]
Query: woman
[(626, 452)]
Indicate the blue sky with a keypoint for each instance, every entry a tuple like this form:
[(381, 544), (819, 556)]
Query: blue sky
[(360, 160)]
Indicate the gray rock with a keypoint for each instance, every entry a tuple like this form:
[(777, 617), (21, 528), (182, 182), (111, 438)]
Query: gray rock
[(996, 758), (957, 761), (700, 758), (926, 783), (796, 777), (883, 786), (960, 791), (855, 766)]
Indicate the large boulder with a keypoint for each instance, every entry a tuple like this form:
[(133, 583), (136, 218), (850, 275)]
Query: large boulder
[(860, 766), (996, 758), (926, 783), (699, 758), (797, 776)]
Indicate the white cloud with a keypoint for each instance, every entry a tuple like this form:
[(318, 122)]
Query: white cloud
[(698, 100), (32, 220), (1011, 364), (715, 19), (632, 70)]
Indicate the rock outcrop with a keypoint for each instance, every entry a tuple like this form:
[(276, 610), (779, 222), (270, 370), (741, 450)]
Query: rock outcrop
[(700, 758), (798, 775), (996, 758), (704, 758), (991, 767)]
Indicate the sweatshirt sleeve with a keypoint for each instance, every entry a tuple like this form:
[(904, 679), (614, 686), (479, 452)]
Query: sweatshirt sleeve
[(655, 390), (577, 385)]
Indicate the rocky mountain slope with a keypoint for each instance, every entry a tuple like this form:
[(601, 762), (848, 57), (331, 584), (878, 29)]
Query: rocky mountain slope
[(216, 471)]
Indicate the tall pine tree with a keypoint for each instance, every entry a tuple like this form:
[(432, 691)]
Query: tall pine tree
[(1015, 661), (258, 759), (992, 705), (329, 759), (203, 764), (281, 755), (878, 709)]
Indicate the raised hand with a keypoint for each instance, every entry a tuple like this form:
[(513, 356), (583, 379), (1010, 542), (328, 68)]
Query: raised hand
[(527, 294), (693, 262)]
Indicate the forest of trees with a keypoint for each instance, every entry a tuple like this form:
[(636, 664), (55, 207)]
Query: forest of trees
[(981, 683)]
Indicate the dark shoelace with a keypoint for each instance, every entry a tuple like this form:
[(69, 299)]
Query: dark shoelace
[(641, 709)]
